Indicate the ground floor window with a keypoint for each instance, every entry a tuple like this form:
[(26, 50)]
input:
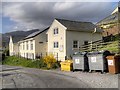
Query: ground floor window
[(85, 42), (75, 44)]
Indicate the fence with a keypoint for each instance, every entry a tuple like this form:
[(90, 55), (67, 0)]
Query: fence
[(97, 45), (43, 54)]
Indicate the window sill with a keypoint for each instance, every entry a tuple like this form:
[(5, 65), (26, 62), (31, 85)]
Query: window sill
[(56, 48), (55, 34)]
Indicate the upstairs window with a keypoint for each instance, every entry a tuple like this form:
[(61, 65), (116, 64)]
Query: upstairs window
[(46, 37), (23, 46), (27, 45), (56, 44), (75, 44), (31, 45), (55, 31)]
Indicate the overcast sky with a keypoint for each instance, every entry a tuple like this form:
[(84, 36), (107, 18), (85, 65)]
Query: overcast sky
[(31, 15)]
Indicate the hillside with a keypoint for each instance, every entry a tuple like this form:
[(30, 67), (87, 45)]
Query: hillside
[(5, 37), (112, 47)]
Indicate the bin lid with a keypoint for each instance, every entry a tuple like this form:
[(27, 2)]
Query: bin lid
[(106, 52), (67, 61), (80, 53)]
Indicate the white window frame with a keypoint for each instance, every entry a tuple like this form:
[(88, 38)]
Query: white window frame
[(27, 45), (23, 46), (31, 45), (56, 44), (55, 31), (74, 44)]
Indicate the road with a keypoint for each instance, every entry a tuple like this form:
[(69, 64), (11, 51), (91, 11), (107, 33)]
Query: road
[(18, 77)]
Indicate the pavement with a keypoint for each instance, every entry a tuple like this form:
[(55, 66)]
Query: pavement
[(19, 77)]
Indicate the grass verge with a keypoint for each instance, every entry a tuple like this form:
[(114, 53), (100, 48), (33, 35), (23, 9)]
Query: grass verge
[(18, 61)]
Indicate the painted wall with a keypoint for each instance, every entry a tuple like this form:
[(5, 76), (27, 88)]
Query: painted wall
[(38, 47), (60, 38), (81, 37), (11, 47), (27, 53), (16, 48), (41, 44)]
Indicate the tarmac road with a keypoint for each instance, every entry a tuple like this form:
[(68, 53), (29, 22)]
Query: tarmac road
[(18, 77)]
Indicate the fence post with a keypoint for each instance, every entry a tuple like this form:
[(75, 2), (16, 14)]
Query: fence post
[(57, 57), (46, 53), (65, 57), (91, 45), (41, 55)]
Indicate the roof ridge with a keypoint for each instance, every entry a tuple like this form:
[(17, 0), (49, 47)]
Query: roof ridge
[(36, 33), (72, 20)]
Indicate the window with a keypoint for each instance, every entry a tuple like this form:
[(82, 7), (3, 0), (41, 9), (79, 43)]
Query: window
[(31, 45), (85, 42), (46, 37), (27, 45), (23, 46), (56, 45), (75, 44), (56, 31)]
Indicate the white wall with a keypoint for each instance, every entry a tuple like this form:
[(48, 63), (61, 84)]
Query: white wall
[(81, 37), (41, 44), (61, 38), (27, 53), (11, 47), (37, 47)]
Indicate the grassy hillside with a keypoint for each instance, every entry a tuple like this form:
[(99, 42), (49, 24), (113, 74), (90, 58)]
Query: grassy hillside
[(113, 47)]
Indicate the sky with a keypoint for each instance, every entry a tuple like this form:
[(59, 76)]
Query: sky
[(33, 15)]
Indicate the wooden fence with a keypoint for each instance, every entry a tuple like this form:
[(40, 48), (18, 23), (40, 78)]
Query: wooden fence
[(97, 45)]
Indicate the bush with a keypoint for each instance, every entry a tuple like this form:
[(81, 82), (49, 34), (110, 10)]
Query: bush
[(47, 62), (50, 61), (17, 61), (6, 52)]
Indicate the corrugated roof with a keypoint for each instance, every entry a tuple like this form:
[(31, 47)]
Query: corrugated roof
[(78, 25), (35, 33)]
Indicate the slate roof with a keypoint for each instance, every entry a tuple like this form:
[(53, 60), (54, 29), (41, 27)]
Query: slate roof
[(35, 33), (78, 25), (17, 38), (109, 19)]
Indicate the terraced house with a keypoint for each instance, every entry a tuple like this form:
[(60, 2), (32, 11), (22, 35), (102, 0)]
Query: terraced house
[(33, 45), (13, 45), (63, 37)]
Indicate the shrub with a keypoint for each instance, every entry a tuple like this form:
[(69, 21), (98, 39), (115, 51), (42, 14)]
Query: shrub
[(50, 61), (6, 52), (47, 62), (17, 61)]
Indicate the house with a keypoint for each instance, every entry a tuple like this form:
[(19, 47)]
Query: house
[(13, 45), (65, 36), (34, 44), (110, 23)]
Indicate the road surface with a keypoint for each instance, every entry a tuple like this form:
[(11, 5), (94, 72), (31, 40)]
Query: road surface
[(18, 77)]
